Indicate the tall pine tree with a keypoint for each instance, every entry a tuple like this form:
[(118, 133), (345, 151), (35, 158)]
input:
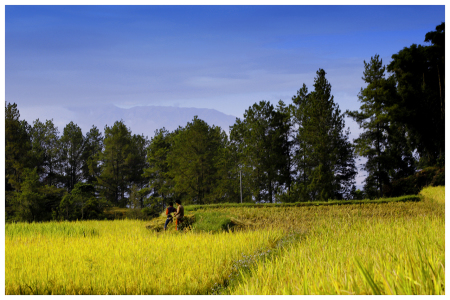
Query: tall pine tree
[(419, 72), (325, 155), (113, 180), (261, 140), (383, 140), (193, 161), (46, 152), (157, 172), (72, 144)]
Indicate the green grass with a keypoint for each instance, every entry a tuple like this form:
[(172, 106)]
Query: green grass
[(211, 222)]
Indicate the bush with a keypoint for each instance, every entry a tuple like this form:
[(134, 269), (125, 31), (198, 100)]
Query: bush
[(113, 213), (152, 211), (146, 213), (413, 184), (439, 178)]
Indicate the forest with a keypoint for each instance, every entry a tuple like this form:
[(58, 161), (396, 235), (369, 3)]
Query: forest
[(282, 152)]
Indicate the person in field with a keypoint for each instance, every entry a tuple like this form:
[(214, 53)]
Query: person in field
[(179, 214), (169, 212)]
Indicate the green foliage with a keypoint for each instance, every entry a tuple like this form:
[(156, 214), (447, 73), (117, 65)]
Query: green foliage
[(150, 212), (228, 188), (356, 194), (135, 200), (116, 213), (194, 161), (114, 169), (17, 148), (419, 72), (34, 201), (389, 114), (72, 144), (140, 208), (81, 204), (412, 185), (261, 141), (28, 202), (211, 222), (122, 163), (438, 178), (324, 156), (91, 155), (45, 151), (383, 141), (137, 161), (146, 213), (160, 181)]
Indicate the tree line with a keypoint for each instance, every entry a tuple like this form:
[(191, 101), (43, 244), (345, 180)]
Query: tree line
[(285, 152)]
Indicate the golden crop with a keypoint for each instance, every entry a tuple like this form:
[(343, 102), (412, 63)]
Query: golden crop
[(348, 255), (395, 248), (124, 258), (390, 248)]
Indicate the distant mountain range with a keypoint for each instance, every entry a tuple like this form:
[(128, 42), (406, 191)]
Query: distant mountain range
[(146, 119)]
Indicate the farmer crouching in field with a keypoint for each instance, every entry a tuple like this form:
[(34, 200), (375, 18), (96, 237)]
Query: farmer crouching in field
[(179, 214), (169, 212)]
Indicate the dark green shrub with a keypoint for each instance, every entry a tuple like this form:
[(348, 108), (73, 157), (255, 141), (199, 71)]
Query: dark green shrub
[(92, 209), (439, 178), (413, 184)]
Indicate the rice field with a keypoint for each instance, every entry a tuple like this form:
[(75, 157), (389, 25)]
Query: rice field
[(123, 258), (383, 248), (348, 255), (399, 249)]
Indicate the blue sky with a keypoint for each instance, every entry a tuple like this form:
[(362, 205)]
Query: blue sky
[(62, 59), (221, 57)]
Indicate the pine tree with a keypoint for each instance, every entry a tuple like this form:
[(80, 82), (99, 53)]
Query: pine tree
[(17, 147), (157, 172), (91, 155), (383, 141), (325, 155), (115, 171), (419, 74), (46, 152), (72, 144), (193, 161), (261, 140), (137, 161), (301, 147)]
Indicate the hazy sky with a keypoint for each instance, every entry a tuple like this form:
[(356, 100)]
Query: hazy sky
[(221, 57)]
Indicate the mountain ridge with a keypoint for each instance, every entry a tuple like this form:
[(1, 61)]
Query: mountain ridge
[(146, 119)]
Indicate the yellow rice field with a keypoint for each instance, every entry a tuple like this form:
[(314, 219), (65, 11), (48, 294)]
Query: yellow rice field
[(391, 248), (353, 256), (350, 254), (125, 258)]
